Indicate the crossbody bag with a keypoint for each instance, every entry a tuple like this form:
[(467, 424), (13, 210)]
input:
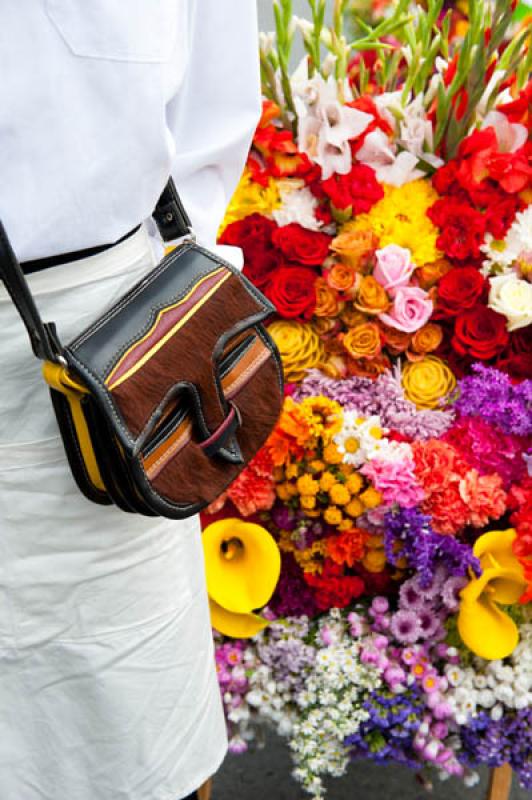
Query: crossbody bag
[(165, 398)]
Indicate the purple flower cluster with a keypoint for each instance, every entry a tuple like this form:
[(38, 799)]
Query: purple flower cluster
[(292, 597), (383, 396), (284, 651), (408, 534), (234, 686), (388, 734), (491, 395), (497, 742)]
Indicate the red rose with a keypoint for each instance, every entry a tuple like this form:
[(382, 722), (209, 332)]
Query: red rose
[(481, 333), (254, 235), (291, 290), (302, 245), (462, 228), (251, 234), (516, 359), (458, 290), (358, 190)]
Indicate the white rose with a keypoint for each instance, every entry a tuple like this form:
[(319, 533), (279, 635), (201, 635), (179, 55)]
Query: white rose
[(512, 298)]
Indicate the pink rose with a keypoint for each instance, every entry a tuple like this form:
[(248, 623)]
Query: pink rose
[(412, 308), (393, 268)]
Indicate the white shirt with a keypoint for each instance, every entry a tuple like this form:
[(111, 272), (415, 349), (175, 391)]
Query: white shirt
[(101, 99)]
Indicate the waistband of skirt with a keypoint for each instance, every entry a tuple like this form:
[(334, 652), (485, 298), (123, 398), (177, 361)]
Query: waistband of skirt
[(116, 260)]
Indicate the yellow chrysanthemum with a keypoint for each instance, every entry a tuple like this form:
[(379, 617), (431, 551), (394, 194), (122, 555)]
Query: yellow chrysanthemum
[(331, 454), (354, 483), (307, 501), (332, 515), (339, 495), (300, 347), (323, 416), (317, 464), (251, 198), (371, 498), (374, 560), (326, 481), (355, 508), (401, 218), (307, 485), (292, 471)]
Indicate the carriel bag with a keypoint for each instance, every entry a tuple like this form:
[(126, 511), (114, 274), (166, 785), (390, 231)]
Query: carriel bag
[(163, 400)]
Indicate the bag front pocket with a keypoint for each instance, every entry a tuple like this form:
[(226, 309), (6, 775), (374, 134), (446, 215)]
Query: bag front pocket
[(141, 30)]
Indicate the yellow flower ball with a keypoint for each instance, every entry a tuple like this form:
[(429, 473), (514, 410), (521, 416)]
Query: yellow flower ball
[(331, 454), (333, 515), (374, 560), (307, 501), (292, 470), (375, 542), (371, 498), (307, 485), (339, 495), (354, 483), (327, 480), (355, 508), (427, 381), (300, 347), (317, 464)]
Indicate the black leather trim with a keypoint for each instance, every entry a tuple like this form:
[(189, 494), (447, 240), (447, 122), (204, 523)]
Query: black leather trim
[(73, 453)]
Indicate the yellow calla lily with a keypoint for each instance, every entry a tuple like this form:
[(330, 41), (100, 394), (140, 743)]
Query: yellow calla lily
[(483, 626), (242, 564)]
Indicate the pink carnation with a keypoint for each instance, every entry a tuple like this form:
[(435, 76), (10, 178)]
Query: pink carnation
[(485, 497), (396, 481)]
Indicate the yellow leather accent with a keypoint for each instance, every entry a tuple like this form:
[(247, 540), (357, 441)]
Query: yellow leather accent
[(58, 378), (151, 352)]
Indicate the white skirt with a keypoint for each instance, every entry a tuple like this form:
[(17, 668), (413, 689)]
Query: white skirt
[(108, 688)]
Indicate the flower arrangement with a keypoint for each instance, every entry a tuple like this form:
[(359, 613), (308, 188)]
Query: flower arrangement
[(385, 210)]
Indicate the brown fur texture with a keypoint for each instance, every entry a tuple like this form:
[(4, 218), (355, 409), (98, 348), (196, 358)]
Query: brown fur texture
[(186, 357), (194, 477)]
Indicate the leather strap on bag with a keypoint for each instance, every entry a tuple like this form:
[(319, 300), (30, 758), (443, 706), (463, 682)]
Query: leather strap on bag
[(173, 223)]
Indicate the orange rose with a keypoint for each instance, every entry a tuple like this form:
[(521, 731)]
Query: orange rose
[(343, 278), (371, 297), (326, 299), (368, 367), (430, 274), (427, 339), (355, 247), (325, 325), (351, 317), (364, 341), (396, 341)]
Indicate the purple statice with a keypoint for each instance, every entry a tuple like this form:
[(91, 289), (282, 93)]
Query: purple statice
[(283, 649), (292, 597), (388, 734), (490, 394), (497, 742), (384, 397), (423, 548), (283, 517)]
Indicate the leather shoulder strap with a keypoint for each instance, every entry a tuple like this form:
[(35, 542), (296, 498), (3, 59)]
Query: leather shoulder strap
[(19, 291), (173, 222)]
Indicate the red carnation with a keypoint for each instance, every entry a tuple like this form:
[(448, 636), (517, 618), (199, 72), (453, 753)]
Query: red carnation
[(332, 588), (461, 288), (292, 291), (359, 190), (302, 245), (462, 228), (480, 333)]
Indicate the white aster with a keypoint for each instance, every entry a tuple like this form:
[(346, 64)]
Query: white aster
[(516, 247)]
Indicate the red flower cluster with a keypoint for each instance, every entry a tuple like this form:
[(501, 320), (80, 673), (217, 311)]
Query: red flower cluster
[(282, 261), (354, 193), (332, 588), (520, 500), (456, 495)]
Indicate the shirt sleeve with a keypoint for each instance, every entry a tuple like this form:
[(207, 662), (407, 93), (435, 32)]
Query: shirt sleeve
[(215, 109)]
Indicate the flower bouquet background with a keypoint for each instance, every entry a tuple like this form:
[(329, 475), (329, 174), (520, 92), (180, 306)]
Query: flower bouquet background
[(385, 210)]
